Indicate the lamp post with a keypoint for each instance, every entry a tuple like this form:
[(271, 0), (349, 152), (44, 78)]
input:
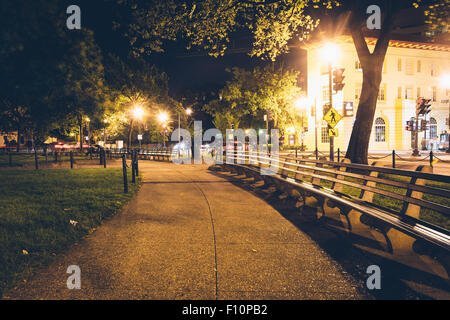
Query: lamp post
[(163, 117), (88, 129), (301, 104), (188, 111), (137, 114), (330, 53)]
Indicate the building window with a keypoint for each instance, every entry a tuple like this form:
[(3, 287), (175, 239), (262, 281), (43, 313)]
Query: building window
[(418, 92), (433, 128), (358, 89), (434, 98), (434, 72), (324, 137), (409, 67), (399, 93), (419, 66), (399, 65), (326, 95), (380, 130), (409, 93), (382, 92)]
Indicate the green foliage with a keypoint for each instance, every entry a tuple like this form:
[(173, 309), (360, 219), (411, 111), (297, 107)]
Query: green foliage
[(255, 93), (207, 24), (36, 209), (47, 70)]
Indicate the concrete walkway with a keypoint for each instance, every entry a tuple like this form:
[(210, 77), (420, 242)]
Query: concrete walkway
[(190, 234)]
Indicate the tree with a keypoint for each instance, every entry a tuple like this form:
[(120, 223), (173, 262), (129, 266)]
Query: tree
[(208, 24), (53, 73), (133, 82), (255, 93)]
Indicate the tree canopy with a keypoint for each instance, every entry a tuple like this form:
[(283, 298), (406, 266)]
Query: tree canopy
[(256, 93)]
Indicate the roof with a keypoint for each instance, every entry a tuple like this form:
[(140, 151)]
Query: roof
[(392, 43)]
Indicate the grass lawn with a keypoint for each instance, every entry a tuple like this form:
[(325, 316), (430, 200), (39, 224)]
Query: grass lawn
[(427, 215), (36, 208)]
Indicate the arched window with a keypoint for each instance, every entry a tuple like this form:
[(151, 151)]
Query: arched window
[(380, 130), (433, 128)]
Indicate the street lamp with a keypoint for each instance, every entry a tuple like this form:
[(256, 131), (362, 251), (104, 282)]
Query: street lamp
[(445, 82), (188, 111), (137, 114), (301, 104), (330, 53), (163, 117), (88, 129)]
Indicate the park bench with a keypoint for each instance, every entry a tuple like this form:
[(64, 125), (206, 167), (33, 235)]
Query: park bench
[(349, 190)]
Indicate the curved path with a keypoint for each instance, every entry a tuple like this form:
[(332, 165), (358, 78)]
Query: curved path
[(190, 234)]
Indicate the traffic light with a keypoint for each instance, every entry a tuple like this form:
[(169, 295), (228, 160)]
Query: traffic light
[(423, 106), (337, 79)]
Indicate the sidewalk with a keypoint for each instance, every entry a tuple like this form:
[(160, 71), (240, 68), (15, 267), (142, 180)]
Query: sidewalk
[(190, 234)]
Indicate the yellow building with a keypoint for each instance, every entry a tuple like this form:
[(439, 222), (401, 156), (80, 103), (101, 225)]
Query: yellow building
[(411, 70)]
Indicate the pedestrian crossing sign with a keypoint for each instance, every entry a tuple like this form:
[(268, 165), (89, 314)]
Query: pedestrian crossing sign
[(332, 117), (333, 132)]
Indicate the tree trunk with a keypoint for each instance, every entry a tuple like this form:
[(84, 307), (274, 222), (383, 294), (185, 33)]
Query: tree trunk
[(358, 146), (372, 65)]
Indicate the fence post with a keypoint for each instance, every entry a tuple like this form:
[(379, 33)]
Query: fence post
[(125, 179), (393, 159), (137, 163), (104, 158), (71, 159), (339, 155), (36, 162), (431, 158), (46, 155), (56, 156), (133, 168)]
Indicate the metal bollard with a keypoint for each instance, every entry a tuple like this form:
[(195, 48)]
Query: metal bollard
[(431, 158), (133, 168), (137, 163), (393, 159), (125, 179), (104, 158), (71, 159), (56, 156)]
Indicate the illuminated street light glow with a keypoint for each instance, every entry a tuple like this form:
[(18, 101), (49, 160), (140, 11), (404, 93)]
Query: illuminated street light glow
[(188, 111), (163, 117), (445, 81), (301, 103), (330, 52), (138, 112)]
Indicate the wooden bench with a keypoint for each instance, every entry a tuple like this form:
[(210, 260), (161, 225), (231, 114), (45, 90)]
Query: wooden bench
[(362, 198)]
